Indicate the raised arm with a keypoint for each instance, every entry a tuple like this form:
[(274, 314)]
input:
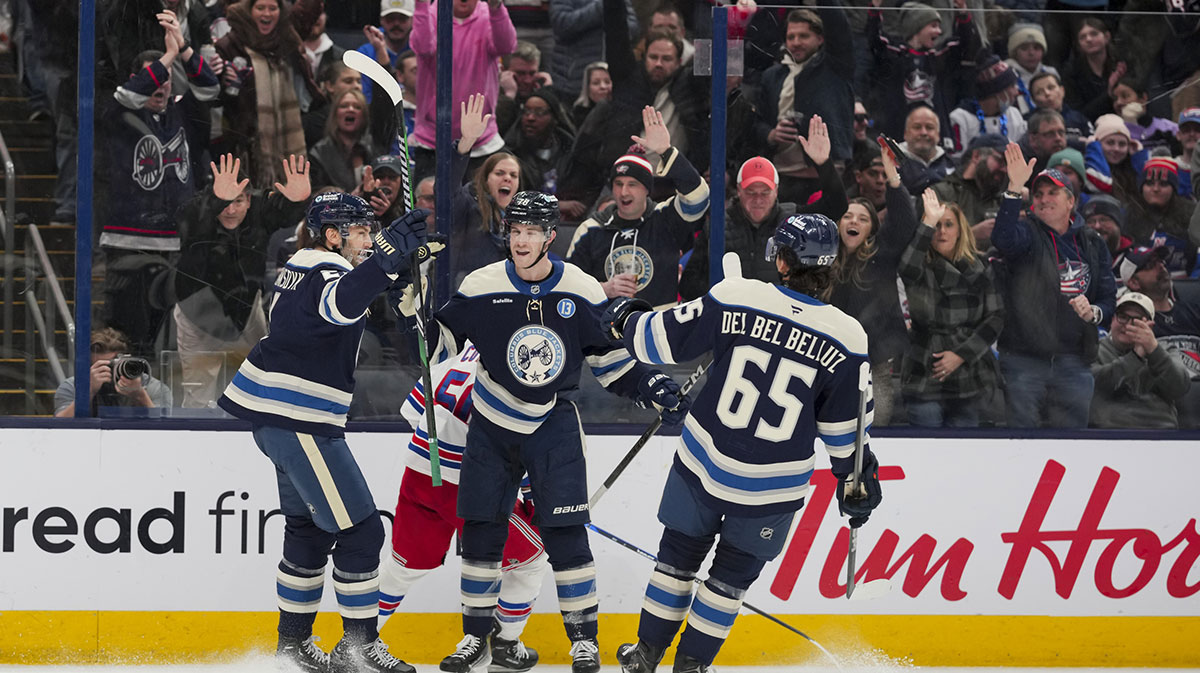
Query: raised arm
[(423, 37), (504, 35), (618, 48), (833, 202), (1011, 236), (912, 262)]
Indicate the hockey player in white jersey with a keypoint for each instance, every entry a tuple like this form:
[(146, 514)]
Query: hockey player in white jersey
[(536, 323), (426, 517), (785, 373), (295, 388)]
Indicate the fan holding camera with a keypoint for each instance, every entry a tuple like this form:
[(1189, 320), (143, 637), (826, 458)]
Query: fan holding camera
[(118, 379)]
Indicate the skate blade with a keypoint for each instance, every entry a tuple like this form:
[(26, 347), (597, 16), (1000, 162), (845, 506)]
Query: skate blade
[(500, 668), (867, 591)]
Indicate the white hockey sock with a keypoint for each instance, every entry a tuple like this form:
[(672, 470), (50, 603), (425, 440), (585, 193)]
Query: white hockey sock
[(394, 583), (519, 589)]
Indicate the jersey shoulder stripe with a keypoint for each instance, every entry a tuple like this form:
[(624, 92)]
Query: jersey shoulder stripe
[(488, 279), (791, 306), (309, 258), (578, 282)]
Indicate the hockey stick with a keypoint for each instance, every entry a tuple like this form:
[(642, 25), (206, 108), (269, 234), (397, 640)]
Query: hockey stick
[(641, 442), (638, 550), (372, 70), (877, 587)]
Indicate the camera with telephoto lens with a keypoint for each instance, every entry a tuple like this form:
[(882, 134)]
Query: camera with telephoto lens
[(126, 366)]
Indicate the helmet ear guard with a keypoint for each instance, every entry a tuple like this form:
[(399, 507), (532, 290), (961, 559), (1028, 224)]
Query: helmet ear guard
[(811, 238)]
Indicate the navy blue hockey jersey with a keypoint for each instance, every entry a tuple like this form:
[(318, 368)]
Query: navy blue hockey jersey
[(301, 375), (785, 372), (532, 340)]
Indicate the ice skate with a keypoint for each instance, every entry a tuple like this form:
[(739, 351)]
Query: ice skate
[(640, 657), (585, 656), (303, 655), (511, 656), (473, 655), (686, 664), (373, 657)]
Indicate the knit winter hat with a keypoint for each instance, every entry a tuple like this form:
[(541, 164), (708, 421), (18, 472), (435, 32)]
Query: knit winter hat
[(1103, 204), (1160, 168), (633, 166), (555, 105), (993, 76), (1024, 33), (1109, 124), (914, 16), (1069, 158)]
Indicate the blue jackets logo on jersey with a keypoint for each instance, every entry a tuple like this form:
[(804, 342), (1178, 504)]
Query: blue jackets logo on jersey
[(566, 308), (630, 259), (535, 355)]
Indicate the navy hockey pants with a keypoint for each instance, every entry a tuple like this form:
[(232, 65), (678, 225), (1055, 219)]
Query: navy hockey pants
[(327, 507), (493, 465), (744, 546)]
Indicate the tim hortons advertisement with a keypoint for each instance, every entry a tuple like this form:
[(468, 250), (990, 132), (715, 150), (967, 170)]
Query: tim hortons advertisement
[(121, 520)]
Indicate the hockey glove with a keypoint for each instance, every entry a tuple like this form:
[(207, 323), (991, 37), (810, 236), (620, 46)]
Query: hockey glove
[(659, 391), (619, 310), (403, 297), (858, 506), (396, 244)]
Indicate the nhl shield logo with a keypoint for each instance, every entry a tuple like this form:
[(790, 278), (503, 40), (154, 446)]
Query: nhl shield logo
[(535, 355), (766, 533)]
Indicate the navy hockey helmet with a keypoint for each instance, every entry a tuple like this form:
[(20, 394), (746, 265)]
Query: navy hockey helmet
[(532, 208), (339, 210), (812, 238)]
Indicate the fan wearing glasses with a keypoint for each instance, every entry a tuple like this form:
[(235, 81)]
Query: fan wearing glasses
[(1137, 381)]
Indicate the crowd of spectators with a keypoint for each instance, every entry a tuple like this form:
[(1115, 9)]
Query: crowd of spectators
[(1013, 180)]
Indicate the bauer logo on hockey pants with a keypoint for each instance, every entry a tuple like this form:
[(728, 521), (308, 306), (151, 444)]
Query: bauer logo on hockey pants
[(570, 509)]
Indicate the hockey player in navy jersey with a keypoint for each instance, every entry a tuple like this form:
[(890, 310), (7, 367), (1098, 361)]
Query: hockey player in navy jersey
[(785, 373), (535, 323), (426, 516), (295, 387)]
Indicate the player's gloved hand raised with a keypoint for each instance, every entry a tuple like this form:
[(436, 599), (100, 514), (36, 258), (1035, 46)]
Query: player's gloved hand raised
[(659, 391), (858, 506), (396, 243), (619, 310), (402, 296)]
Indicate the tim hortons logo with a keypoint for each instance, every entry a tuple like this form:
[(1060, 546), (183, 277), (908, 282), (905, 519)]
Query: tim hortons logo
[(919, 566)]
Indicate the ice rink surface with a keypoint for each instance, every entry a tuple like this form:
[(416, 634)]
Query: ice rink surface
[(850, 663)]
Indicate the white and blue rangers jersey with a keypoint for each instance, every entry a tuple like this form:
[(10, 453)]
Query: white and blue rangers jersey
[(301, 375), (785, 372), (453, 380), (533, 339), (452, 412)]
